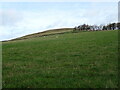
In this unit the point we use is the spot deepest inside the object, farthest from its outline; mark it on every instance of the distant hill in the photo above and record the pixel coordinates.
(44, 33)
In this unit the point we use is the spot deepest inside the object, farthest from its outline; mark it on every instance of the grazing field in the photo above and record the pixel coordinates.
(45, 33)
(70, 60)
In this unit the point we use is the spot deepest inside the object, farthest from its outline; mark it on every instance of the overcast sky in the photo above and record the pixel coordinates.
(22, 18)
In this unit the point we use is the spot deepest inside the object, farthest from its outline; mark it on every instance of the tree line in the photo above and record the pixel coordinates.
(85, 27)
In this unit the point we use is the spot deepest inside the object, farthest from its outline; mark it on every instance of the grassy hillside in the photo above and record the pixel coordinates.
(70, 60)
(45, 33)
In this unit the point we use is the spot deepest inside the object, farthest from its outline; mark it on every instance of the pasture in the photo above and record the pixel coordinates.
(69, 60)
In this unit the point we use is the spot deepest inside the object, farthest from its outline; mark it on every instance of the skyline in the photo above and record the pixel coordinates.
(22, 18)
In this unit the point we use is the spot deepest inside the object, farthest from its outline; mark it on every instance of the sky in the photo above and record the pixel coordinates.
(22, 18)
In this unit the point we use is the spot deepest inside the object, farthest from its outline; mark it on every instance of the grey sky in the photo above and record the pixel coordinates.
(22, 18)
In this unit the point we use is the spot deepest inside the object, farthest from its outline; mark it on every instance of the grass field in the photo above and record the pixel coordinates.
(45, 33)
(70, 60)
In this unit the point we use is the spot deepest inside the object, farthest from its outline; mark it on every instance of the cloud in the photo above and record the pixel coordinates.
(59, 0)
(10, 17)
(17, 23)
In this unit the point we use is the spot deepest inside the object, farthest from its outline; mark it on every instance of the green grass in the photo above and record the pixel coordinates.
(70, 60)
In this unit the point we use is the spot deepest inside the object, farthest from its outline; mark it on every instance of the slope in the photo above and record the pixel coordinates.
(70, 60)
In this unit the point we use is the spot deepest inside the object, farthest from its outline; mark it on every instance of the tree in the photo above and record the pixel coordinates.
(109, 27)
(118, 25)
(113, 25)
(104, 28)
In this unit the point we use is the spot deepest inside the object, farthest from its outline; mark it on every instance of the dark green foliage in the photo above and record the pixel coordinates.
(84, 27)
